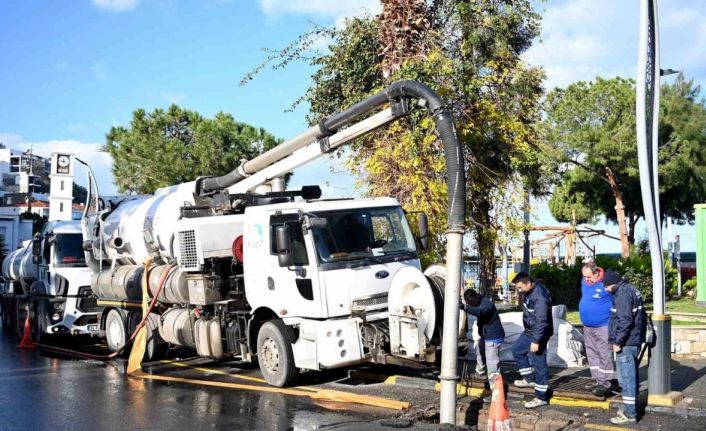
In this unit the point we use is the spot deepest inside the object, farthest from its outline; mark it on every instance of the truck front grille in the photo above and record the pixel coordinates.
(188, 257)
(371, 301)
(87, 305)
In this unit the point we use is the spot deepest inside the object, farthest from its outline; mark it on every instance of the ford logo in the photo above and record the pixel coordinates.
(381, 274)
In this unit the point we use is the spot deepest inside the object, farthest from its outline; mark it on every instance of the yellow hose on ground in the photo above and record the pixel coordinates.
(139, 345)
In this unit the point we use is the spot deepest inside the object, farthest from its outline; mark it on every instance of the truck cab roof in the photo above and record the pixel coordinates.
(330, 204)
(62, 226)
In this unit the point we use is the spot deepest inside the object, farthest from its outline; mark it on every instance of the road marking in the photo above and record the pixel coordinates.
(572, 402)
(212, 371)
(325, 395)
(605, 427)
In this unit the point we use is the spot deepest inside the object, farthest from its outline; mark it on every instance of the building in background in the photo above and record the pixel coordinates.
(23, 177)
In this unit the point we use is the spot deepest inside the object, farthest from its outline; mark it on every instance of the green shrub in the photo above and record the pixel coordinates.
(562, 281)
(689, 287)
(641, 281)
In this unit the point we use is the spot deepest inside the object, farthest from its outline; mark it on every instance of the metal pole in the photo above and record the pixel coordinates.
(670, 242)
(449, 340)
(677, 264)
(647, 113)
(526, 250)
(506, 282)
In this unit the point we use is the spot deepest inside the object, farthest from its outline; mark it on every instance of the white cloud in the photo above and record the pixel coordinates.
(335, 10)
(582, 39)
(173, 98)
(116, 5)
(89, 152)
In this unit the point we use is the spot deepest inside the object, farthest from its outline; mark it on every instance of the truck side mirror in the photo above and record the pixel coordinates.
(423, 224)
(37, 246)
(283, 242)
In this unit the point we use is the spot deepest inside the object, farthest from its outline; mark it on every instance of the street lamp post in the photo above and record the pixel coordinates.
(647, 116)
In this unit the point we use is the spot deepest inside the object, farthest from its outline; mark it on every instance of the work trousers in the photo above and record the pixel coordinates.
(532, 363)
(487, 358)
(628, 378)
(600, 354)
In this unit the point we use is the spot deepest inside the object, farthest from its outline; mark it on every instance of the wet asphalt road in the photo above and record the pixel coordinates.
(41, 392)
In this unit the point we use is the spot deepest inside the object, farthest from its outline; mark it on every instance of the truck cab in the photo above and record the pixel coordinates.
(326, 268)
(64, 298)
(344, 254)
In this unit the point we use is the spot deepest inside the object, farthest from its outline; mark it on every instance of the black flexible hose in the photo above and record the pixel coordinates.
(456, 180)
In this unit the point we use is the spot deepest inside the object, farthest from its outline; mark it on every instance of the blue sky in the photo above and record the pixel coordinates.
(71, 70)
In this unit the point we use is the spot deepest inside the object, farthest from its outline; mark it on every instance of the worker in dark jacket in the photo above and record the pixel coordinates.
(490, 333)
(628, 324)
(530, 349)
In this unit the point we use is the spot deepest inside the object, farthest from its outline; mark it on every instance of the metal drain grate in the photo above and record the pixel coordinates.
(561, 386)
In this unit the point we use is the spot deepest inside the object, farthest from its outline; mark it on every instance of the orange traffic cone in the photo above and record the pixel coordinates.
(26, 342)
(498, 414)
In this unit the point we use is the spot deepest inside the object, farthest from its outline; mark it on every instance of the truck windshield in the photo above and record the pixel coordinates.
(68, 250)
(364, 235)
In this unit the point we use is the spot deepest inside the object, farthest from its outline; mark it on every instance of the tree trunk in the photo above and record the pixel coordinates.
(486, 238)
(619, 212)
(632, 221)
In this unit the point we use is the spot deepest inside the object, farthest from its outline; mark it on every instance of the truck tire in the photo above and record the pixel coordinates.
(274, 353)
(5, 316)
(115, 330)
(39, 322)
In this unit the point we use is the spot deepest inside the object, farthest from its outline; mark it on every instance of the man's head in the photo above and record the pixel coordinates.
(589, 270)
(523, 282)
(471, 297)
(611, 280)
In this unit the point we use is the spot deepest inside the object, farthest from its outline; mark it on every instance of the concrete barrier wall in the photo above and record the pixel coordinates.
(689, 342)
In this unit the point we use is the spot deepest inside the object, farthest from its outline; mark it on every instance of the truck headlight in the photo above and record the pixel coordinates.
(56, 317)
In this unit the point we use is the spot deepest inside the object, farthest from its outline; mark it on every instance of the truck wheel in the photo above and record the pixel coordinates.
(39, 321)
(115, 330)
(156, 347)
(274, 353)
(5, 316)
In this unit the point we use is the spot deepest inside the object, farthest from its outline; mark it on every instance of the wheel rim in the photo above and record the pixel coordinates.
(116, 334)
(270, 355)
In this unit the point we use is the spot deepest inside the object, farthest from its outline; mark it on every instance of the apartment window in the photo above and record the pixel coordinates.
(61, 207)
(62, 184)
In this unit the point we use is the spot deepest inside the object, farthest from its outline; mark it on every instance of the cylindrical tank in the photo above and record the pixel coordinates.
(175, 290)
(125, 282)
(208, 338)
(156, 214)
(176, 327)
(18, 265)
(122, 283)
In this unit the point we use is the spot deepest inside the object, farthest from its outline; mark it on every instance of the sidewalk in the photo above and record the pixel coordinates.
(574, 411)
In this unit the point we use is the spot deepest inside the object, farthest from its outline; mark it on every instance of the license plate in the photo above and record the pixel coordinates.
(92, 327)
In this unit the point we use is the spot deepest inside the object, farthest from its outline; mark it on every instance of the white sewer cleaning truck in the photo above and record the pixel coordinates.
(252, 271)
(48, 276)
